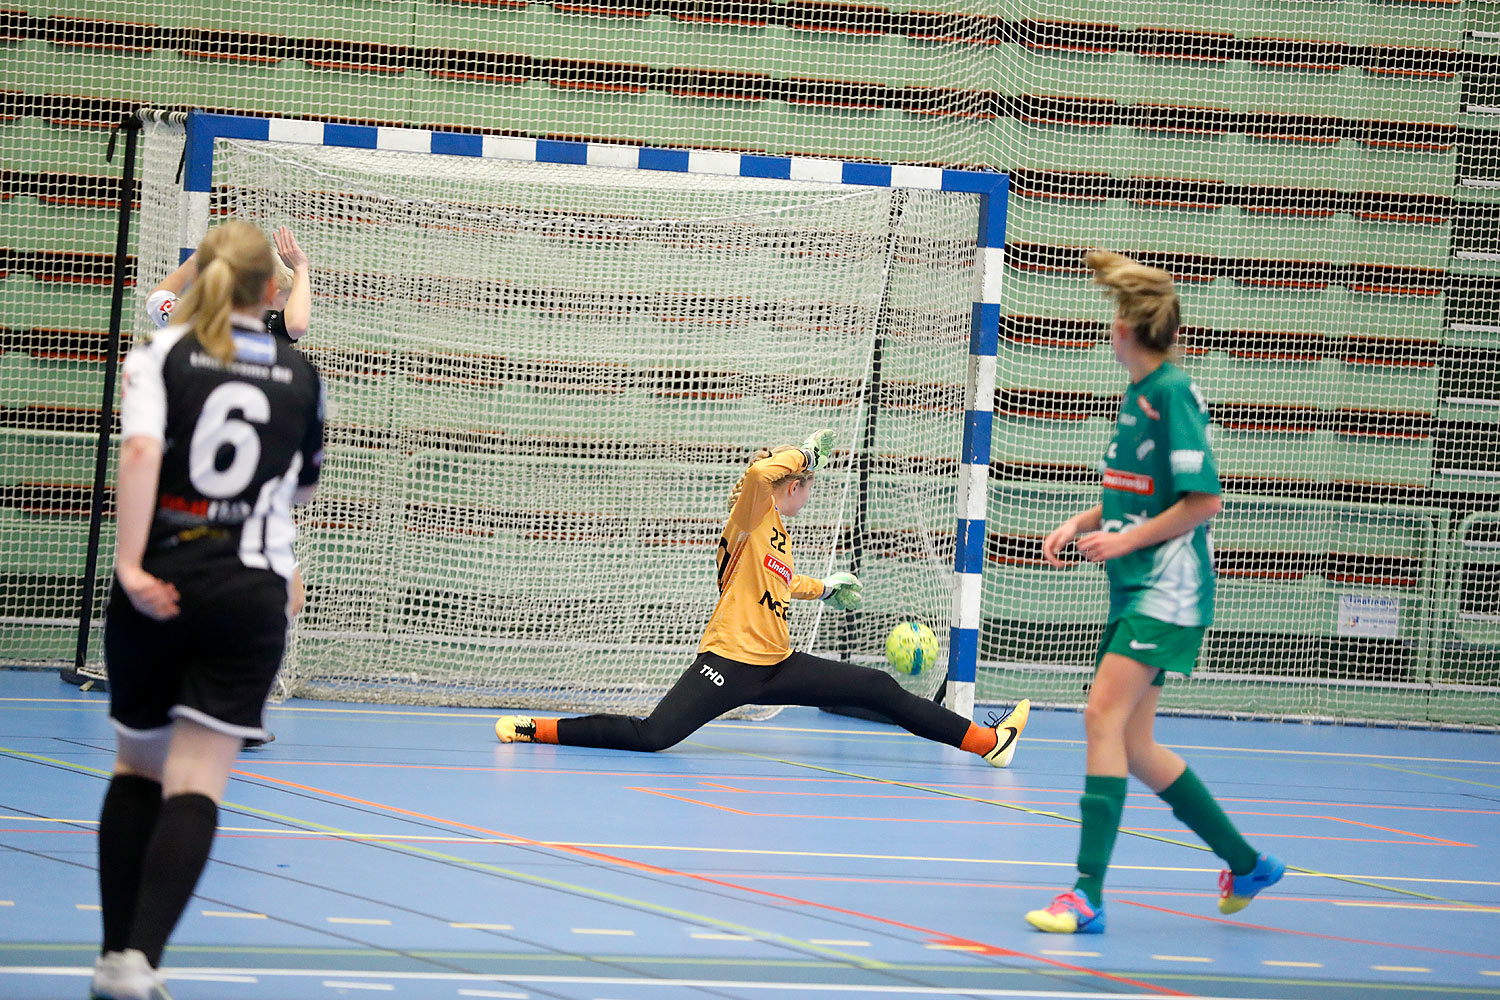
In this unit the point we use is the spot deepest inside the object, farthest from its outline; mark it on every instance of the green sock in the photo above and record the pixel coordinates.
(1102, 804)
(1193, 804)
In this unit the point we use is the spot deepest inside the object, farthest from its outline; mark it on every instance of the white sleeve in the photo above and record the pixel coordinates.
(143, 396)
(159, 306)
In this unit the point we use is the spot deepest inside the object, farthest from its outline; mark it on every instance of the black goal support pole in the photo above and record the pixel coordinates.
(131, 126)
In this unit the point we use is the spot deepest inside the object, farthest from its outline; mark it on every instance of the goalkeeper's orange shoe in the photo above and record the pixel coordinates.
(1008, 734)
(516, 729)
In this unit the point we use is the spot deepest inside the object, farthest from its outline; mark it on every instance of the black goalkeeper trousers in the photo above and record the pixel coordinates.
(714, 685)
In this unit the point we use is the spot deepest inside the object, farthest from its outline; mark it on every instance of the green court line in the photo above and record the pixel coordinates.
(857, 961)
(1439, 777)
(1350, 879)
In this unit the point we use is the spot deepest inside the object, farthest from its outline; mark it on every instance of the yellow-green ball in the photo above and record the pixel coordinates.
(911, 647)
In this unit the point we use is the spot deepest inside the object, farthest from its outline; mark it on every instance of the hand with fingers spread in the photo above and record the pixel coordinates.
(290, 252)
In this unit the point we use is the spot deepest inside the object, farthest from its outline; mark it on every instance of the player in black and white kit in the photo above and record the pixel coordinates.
(286, 319)
(222, 431)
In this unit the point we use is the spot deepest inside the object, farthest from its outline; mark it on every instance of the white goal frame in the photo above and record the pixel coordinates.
(204, 128)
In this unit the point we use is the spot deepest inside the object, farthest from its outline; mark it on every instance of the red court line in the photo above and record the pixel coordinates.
(1311, 934)
(934, 937)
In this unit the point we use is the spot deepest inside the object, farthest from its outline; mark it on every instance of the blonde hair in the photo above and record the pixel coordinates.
(1146, 297)
(760, 455)
(234, 263)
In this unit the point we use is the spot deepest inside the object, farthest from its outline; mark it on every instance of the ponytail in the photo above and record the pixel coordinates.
(1146, 297)
(234, 263)
(762, 454)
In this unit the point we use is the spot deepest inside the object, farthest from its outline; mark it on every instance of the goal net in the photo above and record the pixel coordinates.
(544, 379)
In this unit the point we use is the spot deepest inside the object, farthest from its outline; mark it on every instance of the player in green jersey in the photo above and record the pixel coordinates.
(1150, 531)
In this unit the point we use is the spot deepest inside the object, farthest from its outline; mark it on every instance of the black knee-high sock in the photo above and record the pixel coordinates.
(174, 860)
(126, 822)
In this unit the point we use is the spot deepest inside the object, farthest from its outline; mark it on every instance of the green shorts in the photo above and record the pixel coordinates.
(1152, 643)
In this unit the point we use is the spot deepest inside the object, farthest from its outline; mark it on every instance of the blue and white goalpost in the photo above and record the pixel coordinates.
(550, 360)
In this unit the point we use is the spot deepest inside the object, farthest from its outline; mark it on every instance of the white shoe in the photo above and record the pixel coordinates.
(1008, 734)
(126, 975)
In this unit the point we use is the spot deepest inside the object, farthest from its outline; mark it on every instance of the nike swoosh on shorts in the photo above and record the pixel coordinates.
(1142, 645)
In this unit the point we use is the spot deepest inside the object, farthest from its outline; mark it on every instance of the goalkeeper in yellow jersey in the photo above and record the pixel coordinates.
(745, 657)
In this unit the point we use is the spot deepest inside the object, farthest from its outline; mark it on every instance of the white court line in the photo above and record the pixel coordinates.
(233, 915)
(494, 993)
(762, 727)
(701, 984)
(1069, 954)
(87, 907)
(1181, 958)
(482, 927)
(1292, 965)
(606, 931)
(1400, 968)
(710, 936)
(337, 984)
(363, 921)
(839, 943)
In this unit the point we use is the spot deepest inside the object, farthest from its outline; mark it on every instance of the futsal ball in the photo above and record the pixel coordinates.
(911, 647)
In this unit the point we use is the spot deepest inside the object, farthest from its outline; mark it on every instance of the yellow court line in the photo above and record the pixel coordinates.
(1369, 884)
(842, 855)
(1459, 908)
(822, 953)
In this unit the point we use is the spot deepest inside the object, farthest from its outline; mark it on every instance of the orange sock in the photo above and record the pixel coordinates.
(546, 730)
(979, 739)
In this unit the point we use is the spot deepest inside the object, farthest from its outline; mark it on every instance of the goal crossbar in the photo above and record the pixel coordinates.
(205, 129)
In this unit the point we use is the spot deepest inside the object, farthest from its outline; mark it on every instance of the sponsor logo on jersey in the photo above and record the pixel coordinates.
(1127, 419)
(183, 504)
(780, 568)
(778, 608)
(1147, 408)
(1143, 449)
(1130, 482)
(256, 348)
(1186, 461)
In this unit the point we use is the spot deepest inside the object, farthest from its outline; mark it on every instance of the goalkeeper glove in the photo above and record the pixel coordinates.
(817, 449)
(842, 590)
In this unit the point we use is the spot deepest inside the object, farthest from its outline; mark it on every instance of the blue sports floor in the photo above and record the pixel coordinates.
(388, 850)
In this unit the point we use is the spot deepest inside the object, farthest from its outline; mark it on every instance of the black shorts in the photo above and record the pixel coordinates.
(213, 664)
